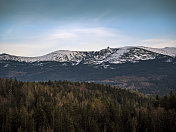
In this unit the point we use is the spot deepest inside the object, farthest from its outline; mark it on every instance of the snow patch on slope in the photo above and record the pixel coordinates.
(115, 57)
(171, 50)
(160, 51)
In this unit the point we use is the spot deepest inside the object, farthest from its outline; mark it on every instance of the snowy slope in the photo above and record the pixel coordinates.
(171, 50)
(61, 56)
(111, 55)
(116, 57)
(164, 51)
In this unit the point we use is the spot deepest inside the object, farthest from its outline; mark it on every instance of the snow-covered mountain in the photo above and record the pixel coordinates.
(111, 55)
(171, 50)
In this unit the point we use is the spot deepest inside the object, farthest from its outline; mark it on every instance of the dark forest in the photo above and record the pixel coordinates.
(74, 106)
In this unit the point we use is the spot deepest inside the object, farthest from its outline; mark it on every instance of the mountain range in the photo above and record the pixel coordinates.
(149, 70)
(111, 55)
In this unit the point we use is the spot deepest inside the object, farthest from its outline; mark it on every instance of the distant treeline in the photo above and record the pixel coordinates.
(62, 106)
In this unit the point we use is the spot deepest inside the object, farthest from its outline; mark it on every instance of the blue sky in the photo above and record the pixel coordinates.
(37, 27)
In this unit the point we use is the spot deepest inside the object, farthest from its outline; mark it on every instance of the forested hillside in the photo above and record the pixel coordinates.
(148, 77)
(73, 106)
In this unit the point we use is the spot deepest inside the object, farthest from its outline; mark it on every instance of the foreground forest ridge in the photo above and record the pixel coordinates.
(76, 107)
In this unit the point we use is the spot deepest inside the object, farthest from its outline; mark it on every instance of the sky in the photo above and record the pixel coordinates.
(38, 27)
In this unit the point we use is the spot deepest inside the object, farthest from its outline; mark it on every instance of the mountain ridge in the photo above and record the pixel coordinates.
(111, 55)
(150, 71)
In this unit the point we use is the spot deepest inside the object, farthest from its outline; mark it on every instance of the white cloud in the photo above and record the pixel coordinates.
(78, 32)
(70, 38)
(62, 36)
(80, 38)
(101, 16)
